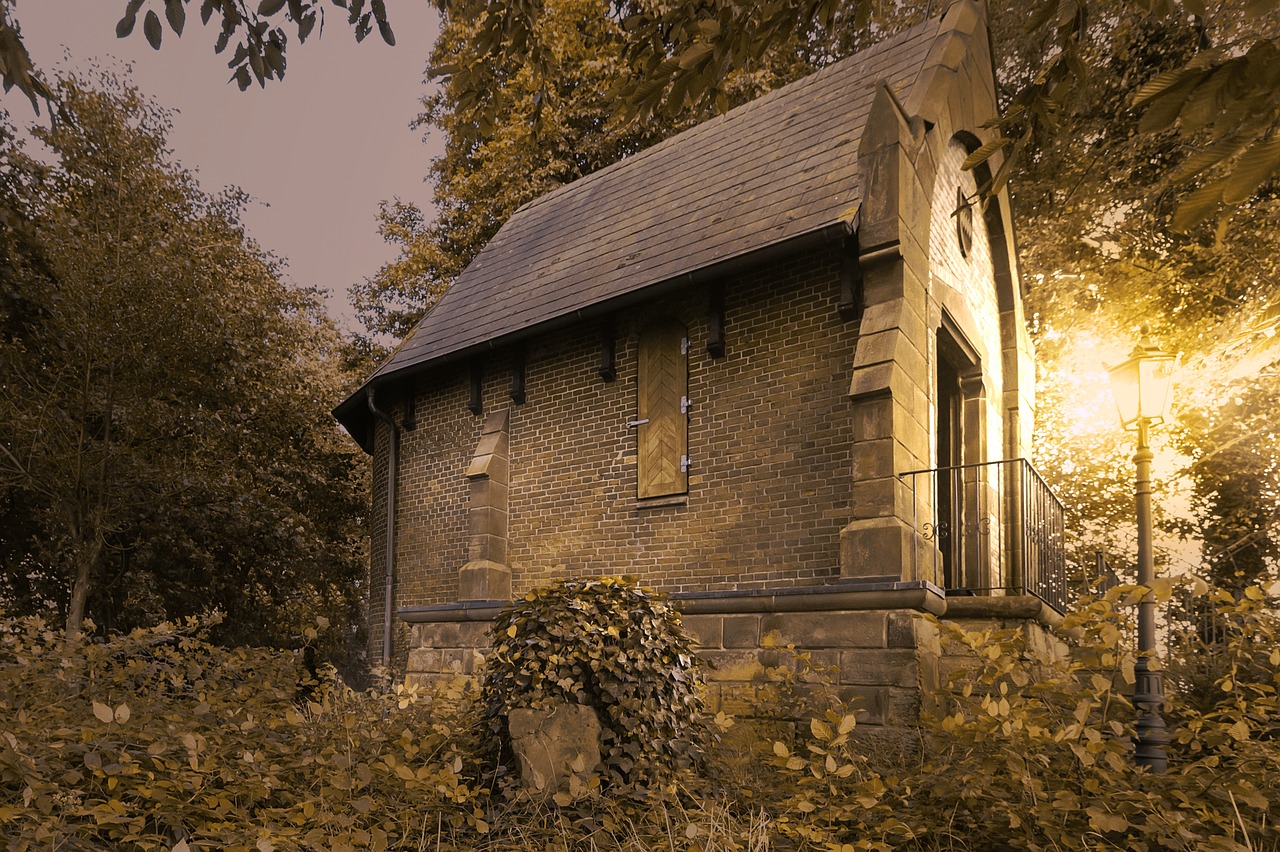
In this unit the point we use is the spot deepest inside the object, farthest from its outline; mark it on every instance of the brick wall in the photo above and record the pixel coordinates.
(769, 441)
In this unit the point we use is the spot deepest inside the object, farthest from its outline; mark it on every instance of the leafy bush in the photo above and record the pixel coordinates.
(1034, 755)
(612, 646)
(157, 740)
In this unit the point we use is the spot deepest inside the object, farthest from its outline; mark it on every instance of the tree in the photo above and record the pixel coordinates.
(1104, 254)
(262, 40)
(523, 135)
(1224, 95)
(164, 411)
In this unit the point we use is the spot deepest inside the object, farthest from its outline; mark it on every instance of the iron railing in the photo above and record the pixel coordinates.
(989, 528)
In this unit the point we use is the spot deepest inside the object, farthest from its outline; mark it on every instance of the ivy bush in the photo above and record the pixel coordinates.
(612, 646)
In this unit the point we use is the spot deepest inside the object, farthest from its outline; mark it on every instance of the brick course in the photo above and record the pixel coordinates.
(769, 440)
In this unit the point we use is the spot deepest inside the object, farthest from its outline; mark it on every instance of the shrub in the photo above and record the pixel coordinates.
(160, 740)
(610, 645)
(1033, 755)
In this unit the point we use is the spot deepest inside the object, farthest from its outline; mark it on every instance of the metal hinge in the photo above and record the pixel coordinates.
(634, 423)
(684, 464)
(684, 405)
(684, 346)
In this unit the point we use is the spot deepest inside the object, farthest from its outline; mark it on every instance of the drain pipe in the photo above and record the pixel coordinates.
(390, 557)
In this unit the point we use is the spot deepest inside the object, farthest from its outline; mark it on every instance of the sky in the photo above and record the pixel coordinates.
(317, 151)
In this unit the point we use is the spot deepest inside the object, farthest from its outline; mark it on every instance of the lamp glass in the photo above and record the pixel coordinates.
(1141, 386)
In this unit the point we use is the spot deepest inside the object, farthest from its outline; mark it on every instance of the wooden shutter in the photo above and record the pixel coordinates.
(663, 383)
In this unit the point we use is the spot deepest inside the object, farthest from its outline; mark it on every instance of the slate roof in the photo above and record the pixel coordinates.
(777, 168)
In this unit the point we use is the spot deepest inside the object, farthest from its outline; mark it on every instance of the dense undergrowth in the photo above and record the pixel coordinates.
(161, 740)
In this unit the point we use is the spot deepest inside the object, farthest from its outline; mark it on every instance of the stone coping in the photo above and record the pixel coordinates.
(848, 595)
(869, 594)
(460, 611)
(920, 595)
(1024, 607)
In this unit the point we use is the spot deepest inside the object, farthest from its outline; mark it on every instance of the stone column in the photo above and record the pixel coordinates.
(486, 576)
(891, 369)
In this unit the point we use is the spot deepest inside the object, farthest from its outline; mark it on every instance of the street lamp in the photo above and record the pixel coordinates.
(1141, 389)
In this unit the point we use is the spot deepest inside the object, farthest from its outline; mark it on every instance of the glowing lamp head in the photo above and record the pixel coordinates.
(1141, 385)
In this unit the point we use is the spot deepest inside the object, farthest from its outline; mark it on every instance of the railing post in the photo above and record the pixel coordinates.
(1017, 527)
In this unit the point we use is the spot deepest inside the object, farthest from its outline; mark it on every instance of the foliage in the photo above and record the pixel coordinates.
(260, 30)
(164, 425)
(160, 740)
(1223, 95)
(609, 645)
(157, 739)
(1094, 212)
(1034, 753)
(524, 135)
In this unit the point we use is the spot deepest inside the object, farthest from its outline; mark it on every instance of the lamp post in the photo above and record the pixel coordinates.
(1141, 389)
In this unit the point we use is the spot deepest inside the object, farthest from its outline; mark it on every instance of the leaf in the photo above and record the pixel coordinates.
(176, 13)
(122, 714)
(1256, 166)
(388, 36)
(103, 712)
(1197, 206)
(694, 55)
(1103, 821)
(305, 25)
(267, 8)
(125, 26)
(152, 30)
(820, 730)
(984, 152)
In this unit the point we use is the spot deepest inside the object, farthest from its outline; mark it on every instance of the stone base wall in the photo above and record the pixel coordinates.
(785, 653)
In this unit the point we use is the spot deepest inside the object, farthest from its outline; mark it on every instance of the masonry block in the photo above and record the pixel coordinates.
(824, 629)
(874, 547)
(705, 629)
(893, 346)
(487, 548)
(741, 631)
(912, 630)
(901, 706)
(738, 698)
(451, 634)
(896, 667)
(733, 666)
(487, 521)
(870, 704)
(483, 580)
(442, 661)
(883, 282)
(885, 497)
